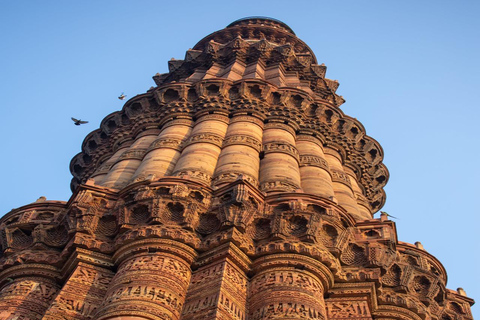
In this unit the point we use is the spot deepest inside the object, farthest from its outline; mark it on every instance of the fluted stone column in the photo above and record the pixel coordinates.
(288, 286)
(279, 169)
(164, 152)
(240, 153)
(362, 203)
(122, 171)
(314, 170)
(29, 291)
(100, 174)
(342, 185)
(199, 158)
(151, 282)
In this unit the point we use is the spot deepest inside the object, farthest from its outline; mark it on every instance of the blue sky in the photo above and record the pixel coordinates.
(409, 70)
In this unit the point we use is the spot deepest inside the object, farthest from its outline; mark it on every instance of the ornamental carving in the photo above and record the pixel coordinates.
(348, 310)
(243, 140)
(294, 279)
(284, 186)
(261, 229)
(133, 154)
(195, 175)
(206, 138)
(281, 147)
(354, 255)
(290, 310)
(232, 176)
(238, 207)
(175, 144)
(313, 161)
(26, 298)
(240, 118)
(341, 177)
(208, 223)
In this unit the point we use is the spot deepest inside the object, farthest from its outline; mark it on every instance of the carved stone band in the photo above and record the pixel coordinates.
(279, 186)
(250, 119)
(304, 137)
(218, 117)
(180, 122)
(206, 138)
(341, 177)
(133, 154)
(313, 161)
(281, 147)
(243, 140)
(347, 309)
(294, 309)
(175, 144)
(104, 168)
(194, 175)
(276, 125)
(232, 176)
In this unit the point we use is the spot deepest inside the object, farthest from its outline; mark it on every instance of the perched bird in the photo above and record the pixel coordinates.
(122, 96)
(78, 121)
(388, 215)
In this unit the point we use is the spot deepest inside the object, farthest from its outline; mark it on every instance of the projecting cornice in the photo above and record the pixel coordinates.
(297, 109)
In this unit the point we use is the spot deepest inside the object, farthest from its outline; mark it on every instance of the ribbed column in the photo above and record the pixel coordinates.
(288, 286)
(279, 170)
(151, 282)
(164, 152)
(126, 165)
(240, 153)
(342, 185)
(199, 158)
(99, 175)
(29, 291)
(314, 170)
(362, 203)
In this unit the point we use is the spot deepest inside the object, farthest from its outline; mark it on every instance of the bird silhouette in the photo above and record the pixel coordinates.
(388, 215)
(122, 96)
(78, 122)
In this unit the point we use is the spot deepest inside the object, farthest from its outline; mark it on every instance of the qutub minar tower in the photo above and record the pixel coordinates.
(235, 189)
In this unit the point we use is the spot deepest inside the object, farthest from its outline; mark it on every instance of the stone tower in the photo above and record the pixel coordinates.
(235, 189)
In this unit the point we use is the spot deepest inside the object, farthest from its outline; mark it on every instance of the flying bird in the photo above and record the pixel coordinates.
(122, 96)
(78, 122)
(388, 215)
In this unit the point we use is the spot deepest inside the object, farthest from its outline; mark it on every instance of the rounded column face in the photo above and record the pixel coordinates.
(279, 170)
(284, 292)
(100, 174)
(122, 171)
(342, 185)
(199, 158)
(240, 153)
(27, 298)
(362, 202)
(149, 283)
(314, 170)
(164, 152)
